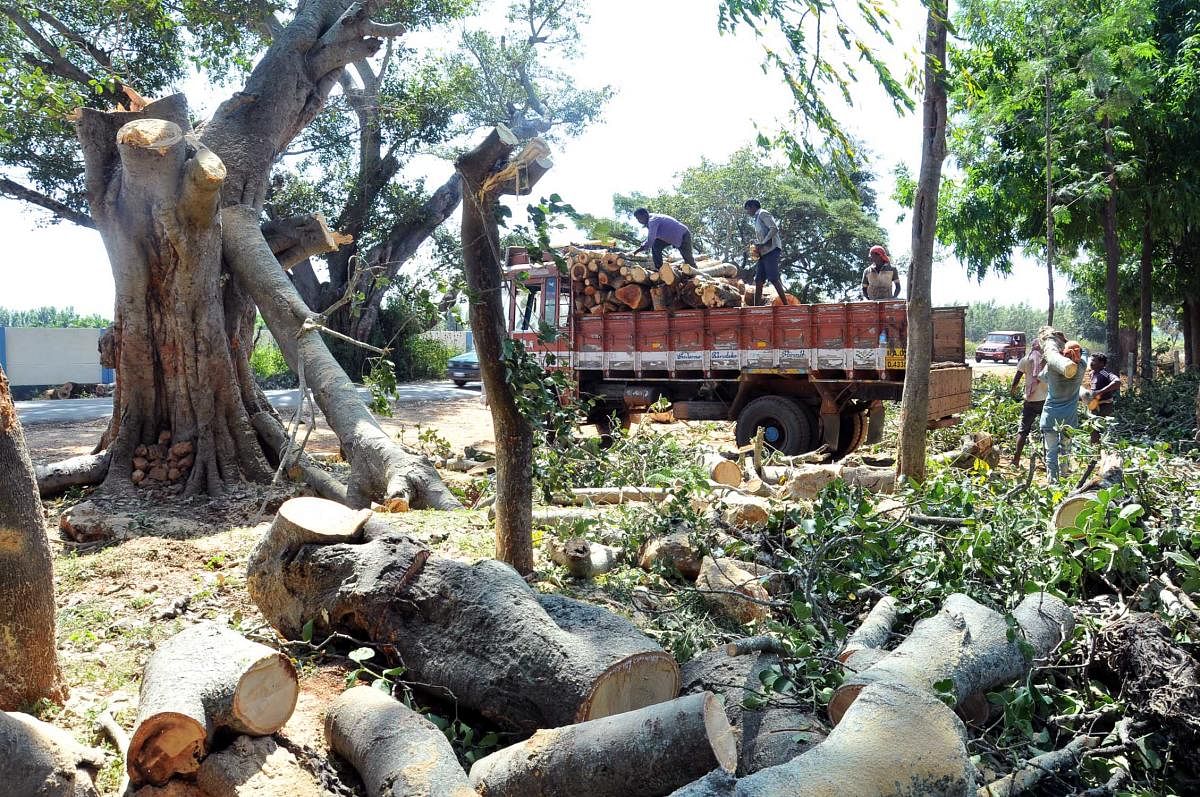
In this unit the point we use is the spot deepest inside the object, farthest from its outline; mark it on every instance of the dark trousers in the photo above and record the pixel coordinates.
(767, 270)
(685, 250)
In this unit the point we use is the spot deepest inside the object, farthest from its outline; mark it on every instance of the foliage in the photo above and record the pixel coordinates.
(50, 317)
(1077, 317)
(826, 228)
(1163, 410)
(269, 366)
(421, 358)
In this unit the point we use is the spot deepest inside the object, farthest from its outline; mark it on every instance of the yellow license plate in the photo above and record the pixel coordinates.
(893, 361)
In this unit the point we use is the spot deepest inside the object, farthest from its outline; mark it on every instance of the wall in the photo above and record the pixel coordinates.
(49, 356)
(458, 340)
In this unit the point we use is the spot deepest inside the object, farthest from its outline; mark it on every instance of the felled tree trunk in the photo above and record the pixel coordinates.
(40, 760)
(864, 647)
(396, 751)
(78, 471)
(581, 558)
(640, 753)
(28, 661)
(968, 645)
(162, 200)
(203, 679)
(474, 632)
(486, 176)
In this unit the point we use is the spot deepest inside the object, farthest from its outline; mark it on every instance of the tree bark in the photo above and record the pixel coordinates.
(203, 679)
(39, 760)
(1146, 322)
(914, 403)
(1112, 256)
(474, 632)
(396, 751)
(482, 266)
(79, 471)
(28, 660)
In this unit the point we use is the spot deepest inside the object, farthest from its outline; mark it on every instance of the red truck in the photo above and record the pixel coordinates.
(808, 375)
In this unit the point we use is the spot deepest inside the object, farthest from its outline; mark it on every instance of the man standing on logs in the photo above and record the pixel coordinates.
(663, 231)
(881, 280)
(767, 246)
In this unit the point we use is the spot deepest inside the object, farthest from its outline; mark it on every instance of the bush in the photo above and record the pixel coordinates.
(421, 358)
(271, 370)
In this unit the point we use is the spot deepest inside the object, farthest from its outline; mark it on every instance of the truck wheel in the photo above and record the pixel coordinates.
(851, 433)
(787, 426)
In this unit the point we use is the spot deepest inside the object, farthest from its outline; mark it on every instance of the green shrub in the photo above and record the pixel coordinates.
(421, 358)
(270, 368)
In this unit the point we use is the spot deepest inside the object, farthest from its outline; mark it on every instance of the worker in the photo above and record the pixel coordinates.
(1029, 367)
(1061, 409)
(663, 231)
(1105, 385)
(881, 280)
(767, 247)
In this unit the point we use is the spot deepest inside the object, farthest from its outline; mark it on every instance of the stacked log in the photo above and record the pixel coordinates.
(163, 465)
(609, 280)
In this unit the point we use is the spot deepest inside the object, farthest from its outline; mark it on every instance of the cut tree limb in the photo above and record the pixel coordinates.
(475, 632)
(582, 496)
(675, 550)
(642, 753)
(581, 558)
(719, 469)
(78, 471)
(1039, 767)
(396, 751)
(203, 679)
(736, 592)
(875, 629)
(39, 760)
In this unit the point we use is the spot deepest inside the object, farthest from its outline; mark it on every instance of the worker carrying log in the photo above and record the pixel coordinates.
(663, 231)
(767, 247)
(1063, 375)
(881, 280)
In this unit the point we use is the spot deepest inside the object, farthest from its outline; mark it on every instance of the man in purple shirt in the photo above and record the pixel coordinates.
(663, 231)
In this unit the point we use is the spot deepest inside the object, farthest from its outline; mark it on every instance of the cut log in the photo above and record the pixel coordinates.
(895, 740)
(641, 753)
(667, 274)
(1052, 343)
(674, 551)
(39, 760)
(1066, 514)
(633, 296)
(203, 679)
(968, 645)
(756, 644)
(80, 471)
(720, 470)
(771, 735)
(396, 751)
(976, 446)
(719, 270)
(739, 510)
(476, 631)
(582, 496)
(639, 275)
(581, 558)
(658, 298)
(805, 482)
(735, 592)
(875, 628)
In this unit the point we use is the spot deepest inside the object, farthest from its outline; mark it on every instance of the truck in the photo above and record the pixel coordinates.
(807, 375)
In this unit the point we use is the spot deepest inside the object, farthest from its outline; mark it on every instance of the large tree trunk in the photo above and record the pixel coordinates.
(164, 204)
(28, 662)
(1112, 257)
(1049, 205)
(1146, 323)
(482, 265)
(914, 404)
(39, 760)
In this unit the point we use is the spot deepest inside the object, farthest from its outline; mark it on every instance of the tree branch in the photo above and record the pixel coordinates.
(59, 65)
(64, 212)
(99, 56)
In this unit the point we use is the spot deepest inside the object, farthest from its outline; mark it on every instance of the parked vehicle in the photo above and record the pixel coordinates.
(807, 375)
(1001, 347)
(463, 368)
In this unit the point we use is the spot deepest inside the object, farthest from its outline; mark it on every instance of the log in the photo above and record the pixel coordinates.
(473, 630)
(895, 740)
(1038, 767)
(805, 482)
(667, 274)
(658, 298)
(633, 296)
(581, 558)
(1066, 514)
(1052, 342)
(39, 760)
(396, 751)
(756, 644)
(735, 592)
(675, 551)
(739, 510)
(249, 767)
(639, 275)
(875, 629)
(203, 679)
(968, 645)
(976, 446)
(81, 471)
(582, 496)
(641, 753)
(720, 470)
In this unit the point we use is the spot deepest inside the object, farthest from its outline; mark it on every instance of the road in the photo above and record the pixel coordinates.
(68, 410)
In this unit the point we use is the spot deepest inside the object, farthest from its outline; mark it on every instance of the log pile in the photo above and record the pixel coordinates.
(609, 280)
(163, 464)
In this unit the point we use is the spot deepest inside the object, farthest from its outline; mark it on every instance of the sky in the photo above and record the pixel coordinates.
(683, 92)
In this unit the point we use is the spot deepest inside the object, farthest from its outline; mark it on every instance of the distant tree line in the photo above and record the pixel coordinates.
(1077, 317)
(50, 317)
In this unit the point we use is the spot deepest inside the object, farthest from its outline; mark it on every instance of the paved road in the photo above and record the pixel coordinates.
(33, 412)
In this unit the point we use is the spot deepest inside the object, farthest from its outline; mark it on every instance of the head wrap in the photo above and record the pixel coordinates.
(879, 250)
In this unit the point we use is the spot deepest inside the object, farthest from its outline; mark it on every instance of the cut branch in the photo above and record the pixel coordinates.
(63, 211)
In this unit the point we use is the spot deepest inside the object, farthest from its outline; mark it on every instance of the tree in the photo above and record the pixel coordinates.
(488, 172)
(28, 661)
(180, 212)
(914, 403)
(827, 229)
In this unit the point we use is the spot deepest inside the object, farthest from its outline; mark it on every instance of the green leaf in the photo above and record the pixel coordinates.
(306, 633)
(361, 654)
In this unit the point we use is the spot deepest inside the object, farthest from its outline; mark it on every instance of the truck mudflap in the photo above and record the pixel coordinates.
(949, 390)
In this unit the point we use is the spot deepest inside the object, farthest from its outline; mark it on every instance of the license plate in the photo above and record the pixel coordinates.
(460, 373)
(893, 361)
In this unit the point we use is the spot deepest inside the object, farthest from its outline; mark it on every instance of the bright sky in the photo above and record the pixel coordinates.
(683, 92)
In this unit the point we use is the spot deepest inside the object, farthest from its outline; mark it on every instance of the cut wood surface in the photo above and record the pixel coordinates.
(581, 558)
(734, 591)
(740, 510)
(642, 753)
(40, 760)
(397, 752)
(205, 678)
(676, 551)
(967, 644)
(476, 631)
(719, 469)
(606, 280)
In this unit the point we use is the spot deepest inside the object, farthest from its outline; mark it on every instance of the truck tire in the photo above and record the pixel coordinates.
(788, 427)
(851, 434)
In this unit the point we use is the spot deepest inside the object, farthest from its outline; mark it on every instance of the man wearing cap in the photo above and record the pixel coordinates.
(881, 281)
